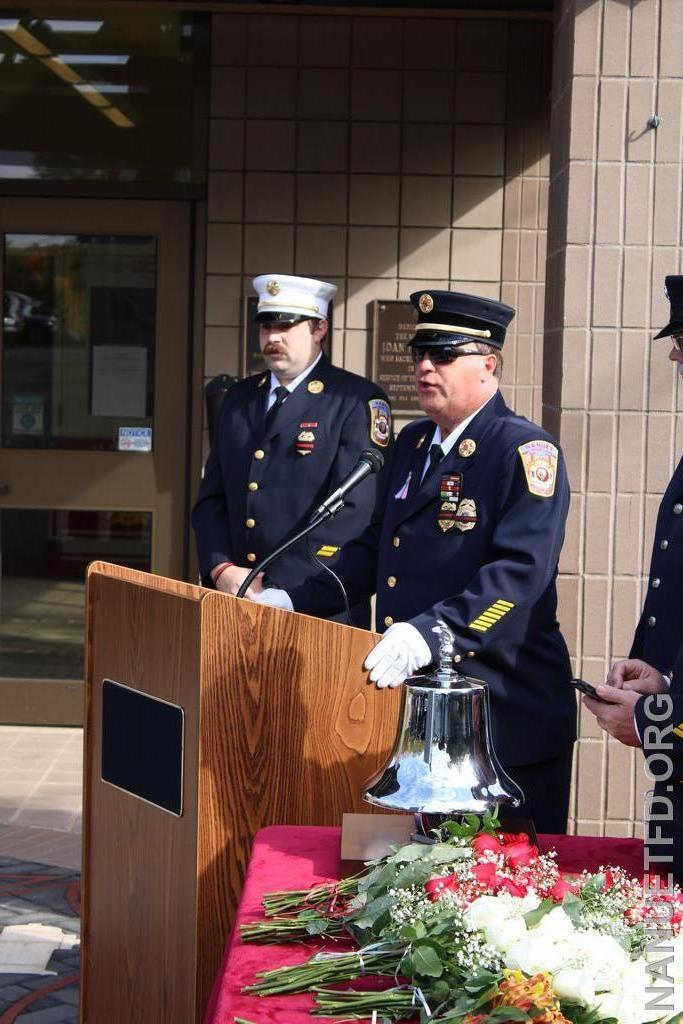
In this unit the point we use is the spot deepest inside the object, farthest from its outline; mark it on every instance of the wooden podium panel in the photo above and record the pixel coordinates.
(281, 727)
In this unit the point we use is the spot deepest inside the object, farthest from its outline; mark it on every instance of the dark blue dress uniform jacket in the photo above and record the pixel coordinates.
(659, 632)
(659, 641)
(262, 478)
(499, 575)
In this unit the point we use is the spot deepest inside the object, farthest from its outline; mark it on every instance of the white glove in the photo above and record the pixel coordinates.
(275, 598)
(400, 652)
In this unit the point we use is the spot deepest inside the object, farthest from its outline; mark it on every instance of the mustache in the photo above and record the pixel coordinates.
(272, 349)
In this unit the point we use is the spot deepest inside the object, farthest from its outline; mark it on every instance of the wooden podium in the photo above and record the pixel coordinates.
(280, 726)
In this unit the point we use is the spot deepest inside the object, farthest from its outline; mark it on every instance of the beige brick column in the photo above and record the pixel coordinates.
(609, 392)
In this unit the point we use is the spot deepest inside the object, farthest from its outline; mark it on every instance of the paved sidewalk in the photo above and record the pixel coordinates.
(40, 859)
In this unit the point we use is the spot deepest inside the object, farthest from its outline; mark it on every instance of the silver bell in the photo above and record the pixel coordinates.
(443, 763)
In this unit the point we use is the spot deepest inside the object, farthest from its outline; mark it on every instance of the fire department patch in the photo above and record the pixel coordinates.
(380, 422)
(539, 459)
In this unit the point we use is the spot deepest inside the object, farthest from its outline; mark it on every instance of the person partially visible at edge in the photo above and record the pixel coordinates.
(470, 532)
(647, 704)
(284, 440)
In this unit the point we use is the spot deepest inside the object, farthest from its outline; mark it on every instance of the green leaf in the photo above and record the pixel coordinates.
(573, 908)
(502, 1013)
(534, 916)
(594, 885)
(416, 873)
(411, 932)
(317, 926)
(372, 910)
(444, 853)
(426, 961)
(405, 854)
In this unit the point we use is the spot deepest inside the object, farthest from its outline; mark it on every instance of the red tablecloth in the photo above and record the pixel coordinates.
(287, 857)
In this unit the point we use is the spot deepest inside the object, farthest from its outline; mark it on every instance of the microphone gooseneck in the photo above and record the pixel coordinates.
(369, 461)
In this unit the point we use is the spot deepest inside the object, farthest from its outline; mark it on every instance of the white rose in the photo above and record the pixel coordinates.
(632, 996)
(488, 911)
(505, 933)
(604, 959)
(535, 953)
(555, 925)
(576, 985)
(484, 911)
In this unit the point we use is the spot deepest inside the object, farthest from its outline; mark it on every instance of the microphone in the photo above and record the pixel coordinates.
(369, 461)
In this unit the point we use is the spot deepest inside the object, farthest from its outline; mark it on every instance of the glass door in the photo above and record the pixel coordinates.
(93, 379)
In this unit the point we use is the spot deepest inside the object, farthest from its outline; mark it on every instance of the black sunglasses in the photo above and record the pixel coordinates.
(440, 355)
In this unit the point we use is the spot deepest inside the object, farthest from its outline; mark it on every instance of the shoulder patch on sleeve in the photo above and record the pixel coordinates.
(380, 422)
(539, 459)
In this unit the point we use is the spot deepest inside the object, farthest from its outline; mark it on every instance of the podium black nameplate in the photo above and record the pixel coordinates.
(142, 746)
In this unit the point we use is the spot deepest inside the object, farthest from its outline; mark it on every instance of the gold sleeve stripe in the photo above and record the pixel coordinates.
(491, 615)
(327, 550)
(678, 731)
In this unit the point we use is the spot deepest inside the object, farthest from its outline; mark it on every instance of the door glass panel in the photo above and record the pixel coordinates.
(42, 594)
(78, 342)
(98, 95)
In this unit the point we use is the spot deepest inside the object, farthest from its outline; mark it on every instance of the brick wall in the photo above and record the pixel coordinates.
(386, 155)
(614, 233)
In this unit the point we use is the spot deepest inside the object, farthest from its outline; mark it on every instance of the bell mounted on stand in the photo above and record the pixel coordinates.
(443, 764)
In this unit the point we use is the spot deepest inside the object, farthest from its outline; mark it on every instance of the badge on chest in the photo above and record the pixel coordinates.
(305, 442)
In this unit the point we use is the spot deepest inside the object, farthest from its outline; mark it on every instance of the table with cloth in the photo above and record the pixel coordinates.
(297, 857)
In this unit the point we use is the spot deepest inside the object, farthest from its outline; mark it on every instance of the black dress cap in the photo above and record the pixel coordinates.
(453, 318)
(673, 286)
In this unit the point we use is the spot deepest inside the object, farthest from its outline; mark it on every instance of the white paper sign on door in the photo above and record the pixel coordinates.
(119, 380)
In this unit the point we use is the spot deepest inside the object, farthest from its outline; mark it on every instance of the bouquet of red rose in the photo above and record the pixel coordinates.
(481, 927)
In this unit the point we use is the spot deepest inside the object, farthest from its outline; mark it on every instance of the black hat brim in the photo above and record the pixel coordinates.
(270, 317)
(673, 327)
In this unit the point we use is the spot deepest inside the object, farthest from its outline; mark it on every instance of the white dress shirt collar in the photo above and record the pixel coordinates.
(275, 383)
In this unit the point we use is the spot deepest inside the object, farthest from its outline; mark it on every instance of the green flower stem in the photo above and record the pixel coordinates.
(394, 1004)
(289, 929)
(275, 903)
(325, 970)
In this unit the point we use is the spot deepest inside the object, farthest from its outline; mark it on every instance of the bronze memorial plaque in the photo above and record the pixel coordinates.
(393, 324)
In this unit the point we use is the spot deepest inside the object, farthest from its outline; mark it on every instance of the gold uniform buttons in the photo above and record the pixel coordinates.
(391, 581)
(259, 453)
(396, 542)
(253, 486)
(388, 621)
(470, 654)
(249, 523)
(251, 557)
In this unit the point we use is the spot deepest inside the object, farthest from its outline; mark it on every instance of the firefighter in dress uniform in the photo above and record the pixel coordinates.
(284, 439)
(470, 532)
(647, 707)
